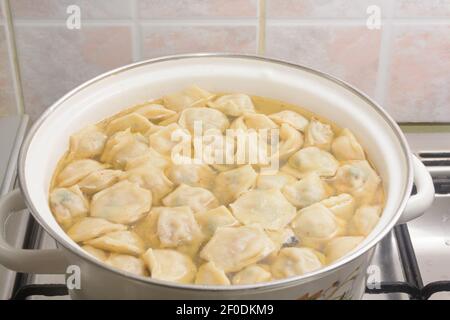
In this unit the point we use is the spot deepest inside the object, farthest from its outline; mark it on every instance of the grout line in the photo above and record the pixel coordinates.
(136, 33)
(261, 27)
(385, 55)
(57, 23)
(13, 58)
(218, 22)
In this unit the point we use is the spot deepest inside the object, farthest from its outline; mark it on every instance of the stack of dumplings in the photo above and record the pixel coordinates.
(118, 193)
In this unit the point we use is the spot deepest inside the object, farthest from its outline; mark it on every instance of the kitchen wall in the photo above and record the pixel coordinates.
(402, 60)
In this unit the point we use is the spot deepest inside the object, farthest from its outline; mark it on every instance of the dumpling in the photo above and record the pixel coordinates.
(291, 118)
(305, 192)
(238, 124)
(147, 228)
(339, 247)
(124, 202)
(218, 150)
(258, 121)
(122, 147)
(346, 147)
(68, 205)
(90, 228)
(296, 262)
(207, 118)
(172, 119)
(194, 175)
(177, 226)
(208, 273)
(127, 263)
(77, 170)
(268, 208)
(99, 180)
(151, 157)
(252, 274)
(96, 253)
(198, 199)
(283, 238)
(229, 185)
(234, 105)
(170, 265)
(316, 225)
(215, 218)
(133, 121)
(125, 242)
(364, 220)
(165, 139)
(192, 96)
(87, 143)
(311, 159)
(155, 112)
(357, 178)
(319, 134)
(291, 141)
(274, 181)
(232, 249)
(151, 178)
(343, 205)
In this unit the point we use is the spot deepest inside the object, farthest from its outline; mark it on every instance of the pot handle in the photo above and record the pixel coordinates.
(49, 261)
(422, 200)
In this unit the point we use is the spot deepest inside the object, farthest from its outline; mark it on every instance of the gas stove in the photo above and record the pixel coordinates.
(413, 261)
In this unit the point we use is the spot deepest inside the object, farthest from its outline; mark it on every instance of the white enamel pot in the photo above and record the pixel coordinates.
(107, 94)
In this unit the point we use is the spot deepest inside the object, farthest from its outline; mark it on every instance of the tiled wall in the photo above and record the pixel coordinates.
(405, 65)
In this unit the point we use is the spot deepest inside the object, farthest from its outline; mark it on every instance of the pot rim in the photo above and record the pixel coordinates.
(272, 285)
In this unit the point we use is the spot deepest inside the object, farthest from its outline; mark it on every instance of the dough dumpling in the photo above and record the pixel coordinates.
(192, 96)
(316, 225)
(258, 121)
(122, 147)
(147, 228)
(292, 262)
(234, 105)
(125, 242)
(90, 228)
(291, 141)
(232, 249)
(207, 117)
(77, 170)
(268, 208)
(208, 273)
(127, 263)
(311, 159)
(99, 180)
(133, 121)
(198, 199)
(151, 157)
(274, 181)
(343, 205)
(358, 179)
(87, 143)
(215, 218)
(155, 112)
(124, 202)
(364, 220)
(177, 226)
(194, 175)
(283, 238)
(252, 274)
(305, 192)
(291, 118)
(151, 178)
(339, 247)
(96, 253)
(346, 147)
(229, 185)
(319, 134)
(170, 265)
(165, 139)
(68, 205)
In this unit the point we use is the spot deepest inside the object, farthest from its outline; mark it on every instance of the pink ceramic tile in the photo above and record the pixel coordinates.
(54, 60)
(189, 9)
(56, 9)
(7, 98)
(422, 8)
(348, 52)
(319, 8)
(164, 40)
(420, 74)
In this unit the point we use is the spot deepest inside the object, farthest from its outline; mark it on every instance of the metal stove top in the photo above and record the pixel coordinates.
(413, 260)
